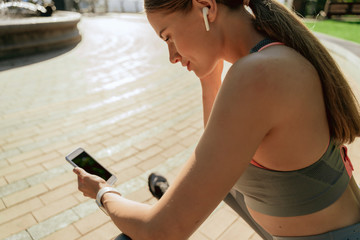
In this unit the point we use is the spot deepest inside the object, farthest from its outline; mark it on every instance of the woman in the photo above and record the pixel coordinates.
(275, 128)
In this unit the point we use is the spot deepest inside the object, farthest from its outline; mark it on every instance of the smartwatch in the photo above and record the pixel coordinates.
(101, 193)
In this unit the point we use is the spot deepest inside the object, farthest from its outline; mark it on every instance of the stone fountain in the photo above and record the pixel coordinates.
(27, 28)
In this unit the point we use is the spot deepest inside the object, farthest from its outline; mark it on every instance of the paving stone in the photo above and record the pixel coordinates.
(43, 158)
(91, 222)
(169, 141)
(13, 187)
(2, 205)
(126, 163)
(255, 236)
(16, 225)
(85, 208)
(151, 162)
(173, 150)
(60, 180)
(11, 169)
(98, 139)
(3, 163)
(19, 210)
(124, 175)
(25, 156)
(105, 232)
(198, 236)
(54, 208)
(239, 229)
(218, 223)
(53, 224)
(14, 145)
(48, 175)
(68, 233)
(9, 153)
(124, 154)
(57, 162)
(146, 143)
(60, 192)
(24, 195)
(23, 235)
(141, 195)
(3, 182)
(24, 173)
(150, 152)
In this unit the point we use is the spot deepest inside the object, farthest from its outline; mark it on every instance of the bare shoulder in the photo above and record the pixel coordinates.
(278, 75)
(276, 66)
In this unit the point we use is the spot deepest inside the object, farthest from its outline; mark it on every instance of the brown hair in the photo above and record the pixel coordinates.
(276, 21)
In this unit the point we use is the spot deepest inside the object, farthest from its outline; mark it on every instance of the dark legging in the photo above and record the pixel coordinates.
(122, 237)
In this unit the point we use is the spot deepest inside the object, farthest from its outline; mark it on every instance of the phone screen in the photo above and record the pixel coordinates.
(86, 162)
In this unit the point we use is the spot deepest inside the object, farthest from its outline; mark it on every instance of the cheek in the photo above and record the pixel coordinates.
(187, 38)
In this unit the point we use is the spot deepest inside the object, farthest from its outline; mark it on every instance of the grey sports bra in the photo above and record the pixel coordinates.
(299, 192)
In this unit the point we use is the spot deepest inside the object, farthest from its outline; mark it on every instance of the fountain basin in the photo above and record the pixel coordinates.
(28, 35)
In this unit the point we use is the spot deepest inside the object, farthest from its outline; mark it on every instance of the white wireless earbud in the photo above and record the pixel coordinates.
(205, 11)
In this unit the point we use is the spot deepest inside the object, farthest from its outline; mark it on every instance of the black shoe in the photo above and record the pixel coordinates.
(157, 185)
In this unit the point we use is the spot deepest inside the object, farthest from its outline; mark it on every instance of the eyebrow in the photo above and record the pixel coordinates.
(161, 31)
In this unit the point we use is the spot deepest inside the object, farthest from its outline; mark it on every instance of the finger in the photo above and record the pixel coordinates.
(76, 170)
(80, 179)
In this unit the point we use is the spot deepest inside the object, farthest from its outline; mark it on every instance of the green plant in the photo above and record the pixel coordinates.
(348, 30)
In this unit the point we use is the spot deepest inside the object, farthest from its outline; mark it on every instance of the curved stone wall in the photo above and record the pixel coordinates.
(23, 36)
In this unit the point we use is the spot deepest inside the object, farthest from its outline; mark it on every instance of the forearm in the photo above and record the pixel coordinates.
(131, 217)
(210, 86)
(209, 92)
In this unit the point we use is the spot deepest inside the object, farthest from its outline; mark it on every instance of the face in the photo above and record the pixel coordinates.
(188, 41)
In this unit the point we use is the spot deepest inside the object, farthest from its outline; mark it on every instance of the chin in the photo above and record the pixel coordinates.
(201, 74)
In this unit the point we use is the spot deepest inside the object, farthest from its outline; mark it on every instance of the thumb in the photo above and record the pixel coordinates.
(79, 171)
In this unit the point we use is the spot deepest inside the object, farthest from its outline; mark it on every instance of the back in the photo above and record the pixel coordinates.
(301, 134)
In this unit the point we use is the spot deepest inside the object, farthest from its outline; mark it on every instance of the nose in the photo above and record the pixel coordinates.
(174, 56)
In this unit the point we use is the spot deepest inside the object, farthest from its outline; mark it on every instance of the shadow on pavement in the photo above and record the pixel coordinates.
(10, 63)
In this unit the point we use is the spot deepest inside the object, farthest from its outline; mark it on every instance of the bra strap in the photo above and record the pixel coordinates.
(267, 42)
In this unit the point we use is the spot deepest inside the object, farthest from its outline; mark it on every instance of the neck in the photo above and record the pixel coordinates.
(239, 33)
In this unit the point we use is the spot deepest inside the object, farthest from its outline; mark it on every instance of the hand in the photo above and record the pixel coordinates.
(89, 184)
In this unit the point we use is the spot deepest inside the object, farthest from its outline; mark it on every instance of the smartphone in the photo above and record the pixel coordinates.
(80, 158)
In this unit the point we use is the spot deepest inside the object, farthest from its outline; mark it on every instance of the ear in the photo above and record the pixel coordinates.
(211, 4)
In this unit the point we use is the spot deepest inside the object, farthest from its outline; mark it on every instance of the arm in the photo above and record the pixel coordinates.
(210, 86)
(242, 116)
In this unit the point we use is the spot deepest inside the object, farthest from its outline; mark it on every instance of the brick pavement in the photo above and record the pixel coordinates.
(132, 110)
